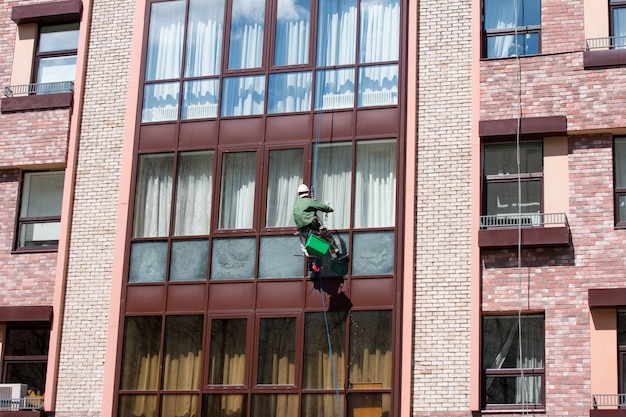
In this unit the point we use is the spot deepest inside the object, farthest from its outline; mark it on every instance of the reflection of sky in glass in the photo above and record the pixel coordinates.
(501, 13)
(293, 29)
(246, 34)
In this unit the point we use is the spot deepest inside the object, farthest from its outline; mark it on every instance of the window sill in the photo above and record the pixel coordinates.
(36, 102)
(604, 58)
(517, 410)
(35, 249)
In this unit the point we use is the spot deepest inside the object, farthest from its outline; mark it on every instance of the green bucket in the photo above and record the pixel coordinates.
(316, 245)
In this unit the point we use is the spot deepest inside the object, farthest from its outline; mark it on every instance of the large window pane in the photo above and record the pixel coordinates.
(227, 356)
(180, 405)
(40, 209)
(233, 258)
(165, 40)
(189, 260)
(379, 38)
(375, 184)
(373, 253)
(147, 262)
(620, 162)
(336, 32)
(505, 46)
(314, 405)
(501, 14)
(58, 37)
(237, 190)
(506, 346)
(153, 196)
(160, 102)
(370, 349)
(277, 351)
(619, 27)
(369, 404)
(233, 405)
(138, 405)
(243, 96)
(140, 354)
(333, 181)
(246, 34)
(293, 30)
(194, 193)
(200, 99)
(56, 69)
(320, 370)
(501, 158)
(334, 89)
(280, 257)
(182, 362)
(285, 174)
(503, 197)
(205, 29)
(275, 405)
(378, 86)
(289, 92)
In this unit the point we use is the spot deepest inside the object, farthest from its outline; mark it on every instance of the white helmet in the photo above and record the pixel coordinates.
(303, 189)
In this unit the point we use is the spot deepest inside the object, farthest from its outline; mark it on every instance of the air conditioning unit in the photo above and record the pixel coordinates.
(11, 396)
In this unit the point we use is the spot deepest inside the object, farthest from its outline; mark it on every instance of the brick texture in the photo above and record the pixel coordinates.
(442, 277)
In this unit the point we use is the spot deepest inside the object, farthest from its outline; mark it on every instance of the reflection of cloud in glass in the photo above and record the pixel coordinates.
(293, 10)
(249, 10)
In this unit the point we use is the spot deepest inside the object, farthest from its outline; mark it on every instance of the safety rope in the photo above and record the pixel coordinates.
(330, 352)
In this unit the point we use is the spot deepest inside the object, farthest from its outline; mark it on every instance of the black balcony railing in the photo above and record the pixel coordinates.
(39, 88)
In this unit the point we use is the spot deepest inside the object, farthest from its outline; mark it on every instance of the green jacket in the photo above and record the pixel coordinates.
(305, 209)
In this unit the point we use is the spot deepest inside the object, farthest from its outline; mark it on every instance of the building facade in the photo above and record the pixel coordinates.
(473, 152)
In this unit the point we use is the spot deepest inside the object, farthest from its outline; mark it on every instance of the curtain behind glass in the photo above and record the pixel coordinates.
(375, 184)
(620, 162)
(246, 34)
(237, 190)
(380, 30)
(153, 196)
(370, 349)
(318, 372)
(500, 14)
(194, 192)
(165, 40)
(204, 38)
(293, 28)
(285, 174)
(336, 32)
(332, 183)
(277, 351)
(140, 354)
(227, 356)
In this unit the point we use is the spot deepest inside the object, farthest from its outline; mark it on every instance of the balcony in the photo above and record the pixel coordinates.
(605, 52)
(529, 229)
(608, 405)
(39, 96)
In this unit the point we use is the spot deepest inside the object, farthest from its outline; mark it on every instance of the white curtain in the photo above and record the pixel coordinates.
(500, 14)
(380, 31)
(237, 190)
(293, 28)
(619, 26)
(378, 85)
(334, 89)
(204, 38)
(165, 48)
(285, 174)
(246, 34)
(289, 92)
(332, 182)
(243, 96)
(153, 196)
(194, 191)
(375, 184)
(336, 32)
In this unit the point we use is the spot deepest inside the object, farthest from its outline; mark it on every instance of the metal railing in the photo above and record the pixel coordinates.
(609, 42)
(525, 220)
(17, 404)
(39, 88)
(608, 400)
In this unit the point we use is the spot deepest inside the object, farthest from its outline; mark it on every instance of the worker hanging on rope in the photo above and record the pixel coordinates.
(307, 222)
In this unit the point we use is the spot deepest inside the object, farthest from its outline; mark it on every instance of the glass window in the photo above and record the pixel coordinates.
(200, 99)
(26, 357)
(318, 365)
(503, 19)
(233, 258)
(182, 362)
(237, 190)
(336, 33)
(620, 180)
(56, 54)
(231, 405)
(284, 176)
(376, 42)
(334, 89)
(333, 181)
(370, 361)
(293, 31)
(153, 195)
(243, 96)
(194, 193)
(189, 260)
(277, 351)
(165, 40)
(378, 85)
(205, 28)
(140, 355)
(40, 210)
(287, 265)
(502, 181)
(227, 354)
(618, 22)
(148, 261)
(513, 361)
(289, 92)
(246, 34)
